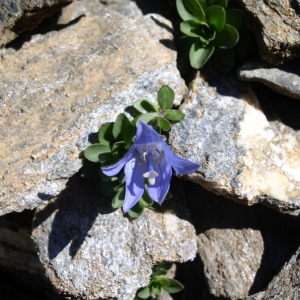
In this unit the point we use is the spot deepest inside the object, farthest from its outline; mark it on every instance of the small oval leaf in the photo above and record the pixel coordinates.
(105, 135)
(199, 55)
(93, 152)
(235, 17)
(190, 10)
(227, 38)
(216, 16)
(163, 123)
(165, 97)
(174, 115)
(144, 106)
(174, 286)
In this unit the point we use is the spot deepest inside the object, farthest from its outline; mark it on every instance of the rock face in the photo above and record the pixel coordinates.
(19, 16)
(90, 251)
(284, 79)
(59, 87)
(242, 155)
(276, 25)
(285, 285)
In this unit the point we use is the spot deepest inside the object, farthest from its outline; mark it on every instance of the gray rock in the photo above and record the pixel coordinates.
(19, 16)
(241, 249)
(241, 154)
(60, 87)
(92, 252)
(284, 79)
(285, 285)
(276, 25)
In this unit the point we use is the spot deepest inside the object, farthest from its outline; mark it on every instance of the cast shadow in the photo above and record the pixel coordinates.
(73, 213)
(280, 233)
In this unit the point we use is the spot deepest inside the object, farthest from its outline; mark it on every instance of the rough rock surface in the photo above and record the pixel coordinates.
(60, 87)
(285, 285)
(284, 79)
(276, 25)
(241, 249)
(241, 154)
(19, 16)
(90, 251)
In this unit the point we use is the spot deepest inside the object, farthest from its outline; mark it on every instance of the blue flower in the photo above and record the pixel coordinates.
(151, 158)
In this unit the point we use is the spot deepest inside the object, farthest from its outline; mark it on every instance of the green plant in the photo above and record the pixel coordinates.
(211, 29)
(147, 158)
(159, 282)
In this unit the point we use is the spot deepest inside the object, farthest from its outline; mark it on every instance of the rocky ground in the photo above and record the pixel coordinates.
(232, 228)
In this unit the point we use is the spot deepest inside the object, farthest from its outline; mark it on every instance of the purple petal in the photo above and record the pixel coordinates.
(159, 190)
(180, 165)
(134, 183)
(116, 168)
(146, 134)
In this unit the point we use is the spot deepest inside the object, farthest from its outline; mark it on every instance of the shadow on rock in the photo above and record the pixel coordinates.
(73, 212)
(240, 248)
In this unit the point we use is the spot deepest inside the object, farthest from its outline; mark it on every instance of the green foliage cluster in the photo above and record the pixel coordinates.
(115, 138)
(159, 282)
(211, 29)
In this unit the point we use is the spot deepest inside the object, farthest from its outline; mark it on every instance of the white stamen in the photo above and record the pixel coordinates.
(151, 176)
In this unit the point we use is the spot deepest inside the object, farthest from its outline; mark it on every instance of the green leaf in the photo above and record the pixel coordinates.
(174, 115)
(174, 286)
(235, 17)
(145, 200)
(165, 97)
(105, 135)
(144, 293)
(144, 106)
(224, 59)
(199, 55)
(136, 211)
(222, 3)
(97, 152)
(227, 38)
(118, 199)
(156, 288)
(146, 118)
(118, 148)
(163, 123)
(123, 129)
(216, 16)
(190, 10)
(109, 188)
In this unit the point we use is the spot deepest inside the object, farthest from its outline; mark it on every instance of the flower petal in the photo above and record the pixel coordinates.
(159, 190)
(116, 168)
(146, 134)
(134, 183)
(180, 165)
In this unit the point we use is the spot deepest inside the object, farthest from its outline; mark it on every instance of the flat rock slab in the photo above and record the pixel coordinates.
(276, 25)
(241, 154)
(19, 16)
(92, 252)
(60, 87)
(284, 79)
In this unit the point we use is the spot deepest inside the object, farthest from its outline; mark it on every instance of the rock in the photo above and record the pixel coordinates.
(284, 79)
(276, 25)
(285, 285)
(93, 7)
(19, 16)
(241, 155)
(61, 86)
(240, 248)
(90, 251)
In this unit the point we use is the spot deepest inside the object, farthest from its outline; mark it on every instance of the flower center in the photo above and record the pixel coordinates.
(151, 174)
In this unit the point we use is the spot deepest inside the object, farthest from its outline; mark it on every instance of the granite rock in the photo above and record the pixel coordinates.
(61, 86)
(241, 154)
(276, 25)
(19, 16)
(284, 79)
(285, 285)
(90, 251)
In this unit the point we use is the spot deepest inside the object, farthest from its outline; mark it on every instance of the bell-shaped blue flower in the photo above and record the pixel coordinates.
(149, 157)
